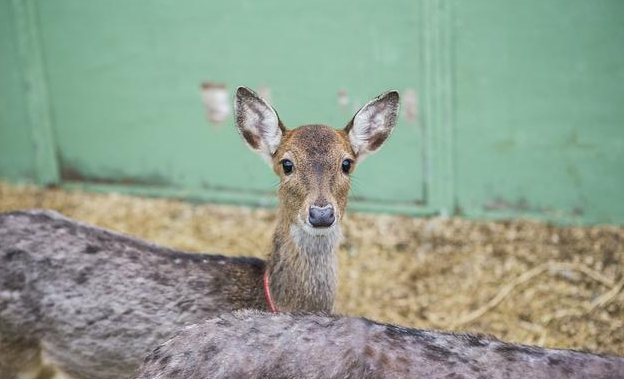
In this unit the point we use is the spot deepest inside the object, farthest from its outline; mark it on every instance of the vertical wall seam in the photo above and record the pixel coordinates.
(452, 30)
(430, 103)
(439, 98)
(449, 111)
(36, 90)
(426, 105)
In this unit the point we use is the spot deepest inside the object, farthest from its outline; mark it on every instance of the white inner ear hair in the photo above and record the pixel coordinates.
(369, 121)
(261, 120)
(271, 132)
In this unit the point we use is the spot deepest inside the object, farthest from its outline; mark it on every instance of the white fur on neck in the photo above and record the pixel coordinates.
(315, 240)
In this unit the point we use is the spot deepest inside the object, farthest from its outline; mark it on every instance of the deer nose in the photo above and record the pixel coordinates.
(321, 217)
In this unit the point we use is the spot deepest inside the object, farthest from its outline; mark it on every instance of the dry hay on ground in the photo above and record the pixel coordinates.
(521, 281)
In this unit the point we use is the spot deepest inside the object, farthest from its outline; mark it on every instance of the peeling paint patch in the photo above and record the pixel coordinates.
(265, 93)
(216, 101)
(343, 100)
(410, 105)
(356, 105)
(499, 204)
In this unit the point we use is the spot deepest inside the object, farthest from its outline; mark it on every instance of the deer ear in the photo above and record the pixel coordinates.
(258, 123)
(371, 125)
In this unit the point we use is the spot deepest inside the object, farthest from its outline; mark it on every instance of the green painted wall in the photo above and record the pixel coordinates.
(126, 98)
(517, 105)
(540, 112)
(16, 147)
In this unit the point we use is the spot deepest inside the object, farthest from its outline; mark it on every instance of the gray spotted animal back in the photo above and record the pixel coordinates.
(256, 345)
(99, 298)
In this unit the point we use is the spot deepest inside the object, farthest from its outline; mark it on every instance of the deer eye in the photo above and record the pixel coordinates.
(346, 165)
(287, 165)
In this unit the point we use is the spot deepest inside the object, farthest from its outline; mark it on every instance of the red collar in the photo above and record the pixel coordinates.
(267, 292)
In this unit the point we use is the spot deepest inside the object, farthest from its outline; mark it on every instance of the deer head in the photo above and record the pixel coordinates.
(314, 162)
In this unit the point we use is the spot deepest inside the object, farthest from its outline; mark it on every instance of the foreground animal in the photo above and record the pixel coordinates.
(255, 345)
(93, 302)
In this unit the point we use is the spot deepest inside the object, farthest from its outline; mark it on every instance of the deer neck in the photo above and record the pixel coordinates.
(302, 268)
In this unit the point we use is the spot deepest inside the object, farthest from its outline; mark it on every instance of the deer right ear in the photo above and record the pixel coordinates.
(258, 123)
(372, 125)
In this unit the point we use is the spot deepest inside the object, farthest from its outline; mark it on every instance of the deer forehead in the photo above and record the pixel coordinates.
(318, 143)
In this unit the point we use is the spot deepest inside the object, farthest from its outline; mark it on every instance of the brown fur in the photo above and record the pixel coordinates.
(302, 268)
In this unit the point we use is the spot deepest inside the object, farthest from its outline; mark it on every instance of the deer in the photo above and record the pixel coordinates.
(253, 344)
(90, 301)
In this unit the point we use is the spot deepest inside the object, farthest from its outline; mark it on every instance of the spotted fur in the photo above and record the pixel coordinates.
(255, 345)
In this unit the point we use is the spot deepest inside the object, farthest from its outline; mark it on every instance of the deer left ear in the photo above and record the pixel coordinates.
(371, 125)
(258, 123)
